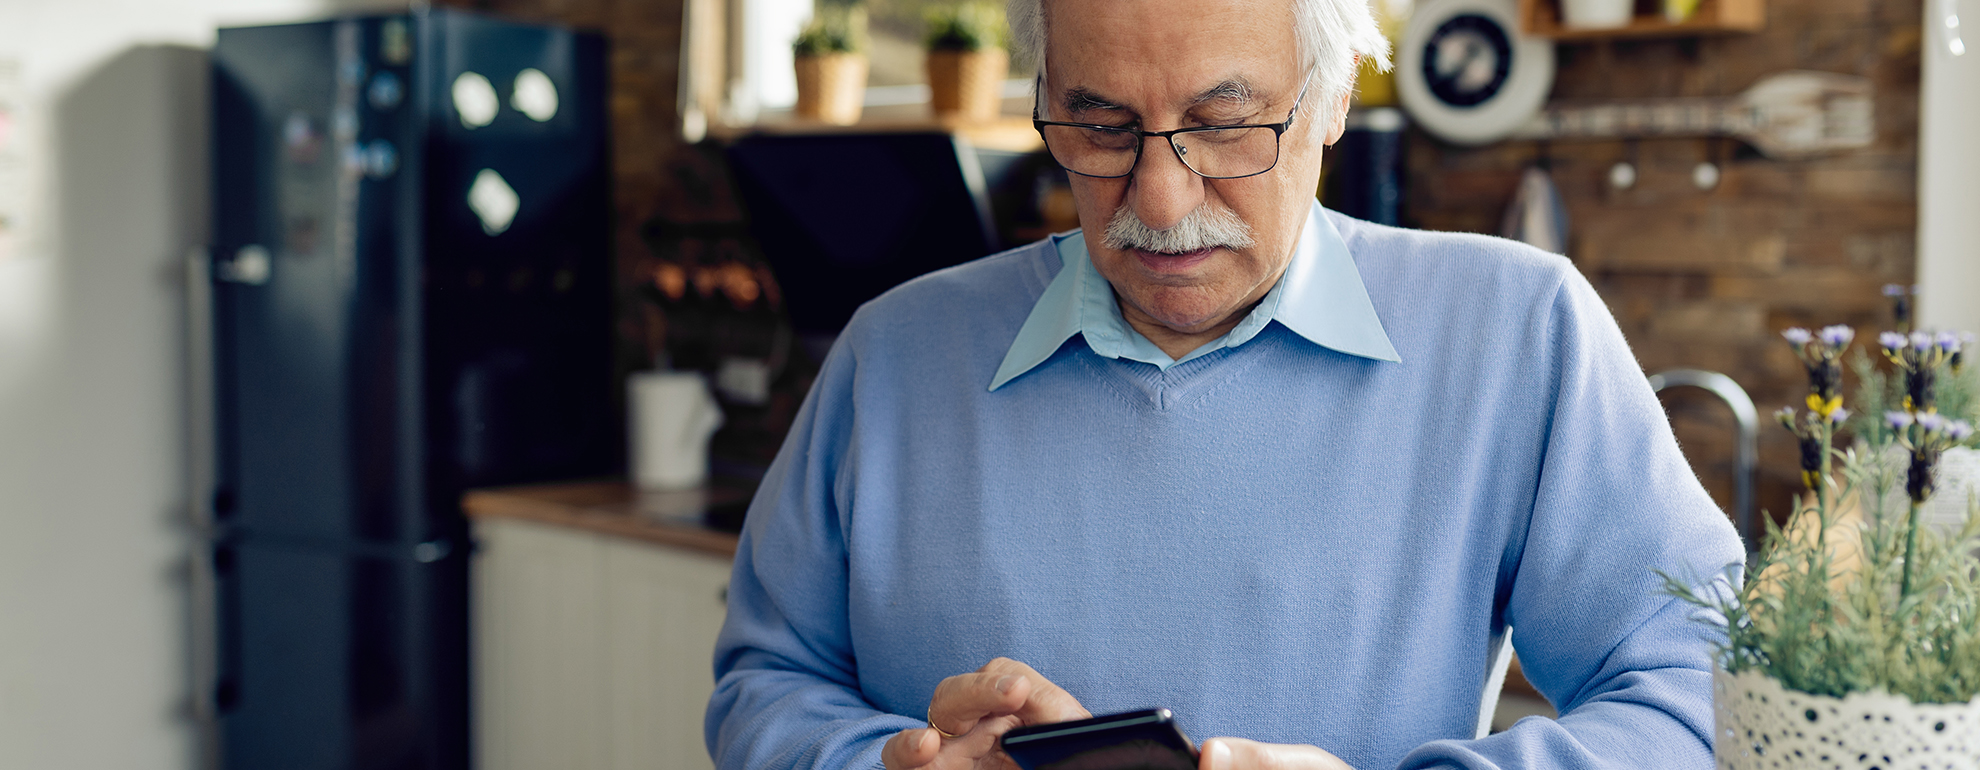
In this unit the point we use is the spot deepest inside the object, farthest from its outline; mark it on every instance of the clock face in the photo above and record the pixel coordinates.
(1466, 60)
(1467, 75)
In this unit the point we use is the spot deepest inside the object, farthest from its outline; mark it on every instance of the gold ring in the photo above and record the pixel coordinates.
(939, 731)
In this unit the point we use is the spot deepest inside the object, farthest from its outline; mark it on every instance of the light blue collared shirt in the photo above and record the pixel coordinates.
(1320, 298)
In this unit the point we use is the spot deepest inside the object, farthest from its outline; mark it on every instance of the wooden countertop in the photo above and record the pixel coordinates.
(615, 508)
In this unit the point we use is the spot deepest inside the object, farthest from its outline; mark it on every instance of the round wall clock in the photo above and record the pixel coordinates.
(1467, 75)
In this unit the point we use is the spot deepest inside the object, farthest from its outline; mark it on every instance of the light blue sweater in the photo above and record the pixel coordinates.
(1278, 541)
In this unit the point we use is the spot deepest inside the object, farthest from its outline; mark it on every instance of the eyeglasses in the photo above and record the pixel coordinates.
(1213, 152)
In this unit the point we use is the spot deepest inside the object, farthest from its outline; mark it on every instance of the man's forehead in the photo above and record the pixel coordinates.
(1177, 52)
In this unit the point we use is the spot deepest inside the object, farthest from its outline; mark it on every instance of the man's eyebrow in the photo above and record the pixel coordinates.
(1236, 90)
(1079, 100)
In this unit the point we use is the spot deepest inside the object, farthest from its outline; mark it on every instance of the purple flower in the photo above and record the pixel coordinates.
(1796, 336)
(1958, 430)
(1921, 341)
(1893, 290)
(1838, 416)
(1891, 340)
(1932, 422)
(1948, 341)
(1898, 420)
(1837, 336)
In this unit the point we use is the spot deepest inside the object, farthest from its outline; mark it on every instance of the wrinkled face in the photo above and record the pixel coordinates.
(1167, 64)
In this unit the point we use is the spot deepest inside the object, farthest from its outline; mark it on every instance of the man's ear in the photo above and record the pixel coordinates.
(1338, 125)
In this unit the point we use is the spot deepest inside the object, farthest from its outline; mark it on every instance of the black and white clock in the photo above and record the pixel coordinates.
(1467, 75)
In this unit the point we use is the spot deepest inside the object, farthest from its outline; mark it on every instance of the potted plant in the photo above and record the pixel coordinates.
(966, 60)
(1855, 640)
(831, 68)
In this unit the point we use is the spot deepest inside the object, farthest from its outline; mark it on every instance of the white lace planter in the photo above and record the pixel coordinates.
(1760, 724)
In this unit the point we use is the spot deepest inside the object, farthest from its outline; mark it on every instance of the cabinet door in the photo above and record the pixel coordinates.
(664, 609)
(540, 670)
(592, 652)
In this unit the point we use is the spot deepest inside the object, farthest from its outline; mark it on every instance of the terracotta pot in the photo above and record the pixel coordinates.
(831, 87)
(967, 85)
(1760, 724)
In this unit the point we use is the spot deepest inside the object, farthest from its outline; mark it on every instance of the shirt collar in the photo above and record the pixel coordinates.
(1320, 298)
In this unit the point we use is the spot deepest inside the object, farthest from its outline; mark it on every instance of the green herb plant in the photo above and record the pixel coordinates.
(836, 27)
(966, 26)
(1835, 604)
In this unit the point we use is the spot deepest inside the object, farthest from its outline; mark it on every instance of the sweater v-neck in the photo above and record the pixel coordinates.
(1185, 384)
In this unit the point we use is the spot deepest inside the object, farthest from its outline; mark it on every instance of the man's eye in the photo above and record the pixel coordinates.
(1221, 136)
(1110, 140)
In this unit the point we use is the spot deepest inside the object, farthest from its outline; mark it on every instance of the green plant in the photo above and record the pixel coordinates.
(1956, 391)
(1837, 603)
(966, 26)
(837, 27)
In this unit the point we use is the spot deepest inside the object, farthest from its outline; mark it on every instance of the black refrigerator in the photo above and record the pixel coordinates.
(411, 297)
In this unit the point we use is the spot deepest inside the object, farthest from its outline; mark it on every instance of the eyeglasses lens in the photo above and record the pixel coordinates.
(1222, 153)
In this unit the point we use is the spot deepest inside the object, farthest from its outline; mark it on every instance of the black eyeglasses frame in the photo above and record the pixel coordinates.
(1141, 139)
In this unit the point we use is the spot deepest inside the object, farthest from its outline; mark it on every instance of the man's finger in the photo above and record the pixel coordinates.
(910, 749)
(1047, 702)
(1241, 754)
(963, 700)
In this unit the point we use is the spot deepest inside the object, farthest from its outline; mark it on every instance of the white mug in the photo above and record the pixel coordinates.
(671, 417)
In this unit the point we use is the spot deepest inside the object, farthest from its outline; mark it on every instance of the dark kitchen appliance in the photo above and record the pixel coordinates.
(843, 217)
(412, 297)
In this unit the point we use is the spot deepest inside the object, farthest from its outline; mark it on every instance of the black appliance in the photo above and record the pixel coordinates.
(1365, 168)
(412, 297)
(842, 217)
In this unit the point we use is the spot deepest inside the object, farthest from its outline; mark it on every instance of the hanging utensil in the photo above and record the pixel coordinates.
(1787, 115)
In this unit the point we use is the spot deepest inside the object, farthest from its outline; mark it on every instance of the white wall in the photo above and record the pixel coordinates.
(94, 533)
(1949, 171)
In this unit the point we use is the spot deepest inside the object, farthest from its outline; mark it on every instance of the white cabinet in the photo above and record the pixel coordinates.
(592, 652)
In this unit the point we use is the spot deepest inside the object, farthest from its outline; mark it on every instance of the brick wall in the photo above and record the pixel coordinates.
(1706, 279)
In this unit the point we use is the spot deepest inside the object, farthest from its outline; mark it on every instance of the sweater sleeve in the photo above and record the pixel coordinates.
(787, 693)
(1627, 666)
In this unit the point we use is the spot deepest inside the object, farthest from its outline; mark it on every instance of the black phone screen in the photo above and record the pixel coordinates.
(1137, 740)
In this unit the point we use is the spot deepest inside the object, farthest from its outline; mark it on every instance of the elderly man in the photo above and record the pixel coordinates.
(1288, 474)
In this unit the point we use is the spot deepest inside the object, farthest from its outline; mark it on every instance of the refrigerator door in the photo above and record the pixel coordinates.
(309, 306)
(342, 662)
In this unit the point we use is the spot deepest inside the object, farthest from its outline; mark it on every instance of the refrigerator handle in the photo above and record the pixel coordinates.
(251, 265)
(433, 550)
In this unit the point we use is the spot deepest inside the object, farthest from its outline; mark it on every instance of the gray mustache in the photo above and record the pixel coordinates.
(1200, 229)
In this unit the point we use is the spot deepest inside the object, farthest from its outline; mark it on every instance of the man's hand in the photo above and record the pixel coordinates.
(1240, 754)
(978, 708)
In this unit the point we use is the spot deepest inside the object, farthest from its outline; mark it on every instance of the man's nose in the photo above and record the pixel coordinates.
(1164, 190)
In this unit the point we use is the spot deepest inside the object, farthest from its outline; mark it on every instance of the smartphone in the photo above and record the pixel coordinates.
(1131, 741)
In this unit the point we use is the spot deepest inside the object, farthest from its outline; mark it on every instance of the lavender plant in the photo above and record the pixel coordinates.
(1954, 392)
(1884, 603)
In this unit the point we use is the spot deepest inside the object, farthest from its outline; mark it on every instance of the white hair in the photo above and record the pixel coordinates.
(1330, 35)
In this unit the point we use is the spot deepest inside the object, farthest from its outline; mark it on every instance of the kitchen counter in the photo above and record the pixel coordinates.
(692, 519)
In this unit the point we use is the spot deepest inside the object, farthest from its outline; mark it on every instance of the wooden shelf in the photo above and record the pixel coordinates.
(1542, 18)
(1009, 133)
